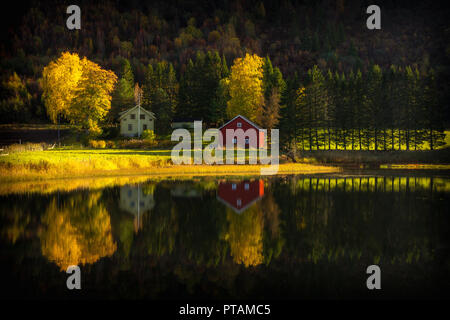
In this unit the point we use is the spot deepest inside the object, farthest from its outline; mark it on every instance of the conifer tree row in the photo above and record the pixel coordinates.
(395, 109)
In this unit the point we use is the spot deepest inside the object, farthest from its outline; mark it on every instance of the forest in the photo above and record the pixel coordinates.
(314, 70)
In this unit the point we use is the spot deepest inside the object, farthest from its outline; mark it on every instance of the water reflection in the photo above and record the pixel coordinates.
(76, 231)
(137, 201)
(239, 195)
(196, 233)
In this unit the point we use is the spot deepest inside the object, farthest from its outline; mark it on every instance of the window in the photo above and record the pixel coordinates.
(239, 202)
(234, 140)
(144, 127)
(246, 140)
(132, 116)
(247, 186)
(239, 125)
(233, 186)
(143, 116)
(151, 120)
(130, 127)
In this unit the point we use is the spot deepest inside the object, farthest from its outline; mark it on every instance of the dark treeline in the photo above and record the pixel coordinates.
(178, 53)
(392, 109)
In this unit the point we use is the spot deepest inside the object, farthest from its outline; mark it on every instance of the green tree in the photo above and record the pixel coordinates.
(201, 94)
(316, 102)
(160, 93)
(16, 104)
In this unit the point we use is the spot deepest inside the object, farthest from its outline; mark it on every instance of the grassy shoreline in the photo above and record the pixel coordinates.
(85, 163)
(23, 173)
(50, 164)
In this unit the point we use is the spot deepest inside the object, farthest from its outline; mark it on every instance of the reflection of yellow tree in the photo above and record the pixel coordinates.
(245, 236)
(17, 221)
(78, 232)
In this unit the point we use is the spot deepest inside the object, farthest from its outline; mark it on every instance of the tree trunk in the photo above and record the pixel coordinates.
(431, 139)
(407, 139)
(376, 139)
(310, 139)
(393, 138)
(359, 134)
(353, 139)
(329, 138)
(345, 139)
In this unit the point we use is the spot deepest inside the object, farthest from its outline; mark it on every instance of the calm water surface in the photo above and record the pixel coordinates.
(281, 237)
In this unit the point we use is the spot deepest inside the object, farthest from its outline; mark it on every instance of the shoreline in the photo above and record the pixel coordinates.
(21, 173)
(87, 163)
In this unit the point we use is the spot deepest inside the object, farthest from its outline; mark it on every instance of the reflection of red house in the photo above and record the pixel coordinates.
(241, 122)
(240, 195)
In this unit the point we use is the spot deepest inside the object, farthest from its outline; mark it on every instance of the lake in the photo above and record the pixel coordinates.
(285, 237)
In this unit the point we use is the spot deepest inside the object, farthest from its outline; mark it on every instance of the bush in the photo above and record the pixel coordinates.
(110, 144)
(148, 135)
(97, 144)
(135, 144)
(16, 148)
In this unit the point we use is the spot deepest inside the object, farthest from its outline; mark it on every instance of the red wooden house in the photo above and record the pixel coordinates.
(241, 122)
(240, 195)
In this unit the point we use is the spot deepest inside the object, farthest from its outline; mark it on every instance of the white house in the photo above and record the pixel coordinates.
(135, 120)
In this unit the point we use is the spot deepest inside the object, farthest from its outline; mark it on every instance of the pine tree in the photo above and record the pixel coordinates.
(316, 100)
(123, 95)
(160, 93)
(200, 88)
(374, 101)
(292, 119)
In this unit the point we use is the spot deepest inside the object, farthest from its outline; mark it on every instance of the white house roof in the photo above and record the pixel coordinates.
(124, 113)
(239, 116)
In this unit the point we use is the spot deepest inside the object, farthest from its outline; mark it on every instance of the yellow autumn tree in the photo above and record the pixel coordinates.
(59, 81)
(78, 89)
(245, 87)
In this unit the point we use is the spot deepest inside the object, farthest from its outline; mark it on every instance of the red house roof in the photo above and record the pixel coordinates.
(240, 195)
(243, 118)
(241, 122)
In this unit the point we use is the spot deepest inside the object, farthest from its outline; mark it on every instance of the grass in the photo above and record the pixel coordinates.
(63, 163)
(38, 126)
(403, 147)
(376, 158)
(415, 166)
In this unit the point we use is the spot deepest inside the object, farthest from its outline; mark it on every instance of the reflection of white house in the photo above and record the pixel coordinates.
(134, 201)
(135, 120)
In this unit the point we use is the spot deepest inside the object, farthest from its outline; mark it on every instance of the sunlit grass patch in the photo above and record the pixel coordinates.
(415, 166)
(62, 163)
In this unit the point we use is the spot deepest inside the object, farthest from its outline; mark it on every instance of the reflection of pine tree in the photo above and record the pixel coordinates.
(273, 240)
